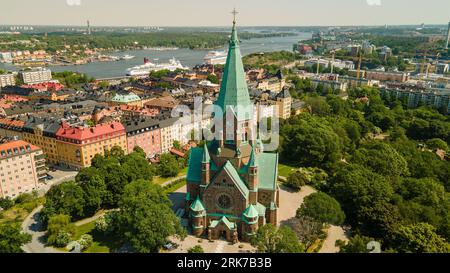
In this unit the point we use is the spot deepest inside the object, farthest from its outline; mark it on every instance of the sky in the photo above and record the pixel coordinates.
(218, 12)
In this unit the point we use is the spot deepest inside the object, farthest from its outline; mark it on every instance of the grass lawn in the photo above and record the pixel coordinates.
(101, 244)
(19, 212)
(161, 180)
(285, 170)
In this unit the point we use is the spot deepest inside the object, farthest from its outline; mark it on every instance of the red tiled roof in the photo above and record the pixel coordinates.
(176, 152)
(81, 133)
(12, 122)
(16, 147)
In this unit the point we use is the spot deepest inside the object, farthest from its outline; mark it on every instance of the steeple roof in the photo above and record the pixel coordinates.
(234, 91)
(253, 160)
(197, 206)
(205, 158)
(251, 212)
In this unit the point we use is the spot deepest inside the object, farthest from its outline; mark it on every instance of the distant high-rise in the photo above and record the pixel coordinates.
(448, 36)
(88, 28)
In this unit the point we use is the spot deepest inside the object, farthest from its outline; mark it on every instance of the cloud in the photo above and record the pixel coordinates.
(373, 2)
(73, 2)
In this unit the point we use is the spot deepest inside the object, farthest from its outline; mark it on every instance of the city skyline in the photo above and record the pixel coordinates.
(212, 13)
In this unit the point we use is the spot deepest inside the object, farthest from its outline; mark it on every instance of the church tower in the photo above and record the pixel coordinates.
(231, 183)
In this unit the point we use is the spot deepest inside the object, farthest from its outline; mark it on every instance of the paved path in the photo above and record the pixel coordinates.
(334, 233)
(33, 226)
(173, 180)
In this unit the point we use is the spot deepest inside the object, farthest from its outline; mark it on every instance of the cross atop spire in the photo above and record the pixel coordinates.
(234, 12)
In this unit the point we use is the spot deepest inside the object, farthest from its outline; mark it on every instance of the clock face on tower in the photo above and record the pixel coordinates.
(224, 201)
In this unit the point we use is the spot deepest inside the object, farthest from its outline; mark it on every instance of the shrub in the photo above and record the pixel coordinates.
(6, 203)
(196, 249)
(85, 241)
(296, 180)
(62, 238)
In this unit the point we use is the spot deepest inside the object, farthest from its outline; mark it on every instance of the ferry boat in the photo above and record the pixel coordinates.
(216, 57)
(147, 67)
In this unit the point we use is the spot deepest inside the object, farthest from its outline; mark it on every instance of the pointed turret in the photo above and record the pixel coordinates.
(205, 158)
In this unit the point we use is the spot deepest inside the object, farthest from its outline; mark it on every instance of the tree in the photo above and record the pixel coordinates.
(213, 78)
(196, 249)
(145, 217)
(296, 180)
(356, 188)
(323, 208)
(437, 143)
(12, 238)
(356, 244)
(307, 229)
(94, 189)
(381, 158)
(168, 166)
(419, 238)
(66, 198)
(59, 230)
(270, 239)
(310, 142)
(6, 203)
(378, 220)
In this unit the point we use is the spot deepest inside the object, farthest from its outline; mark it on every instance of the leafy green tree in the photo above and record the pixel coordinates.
(59, 230)
(296, 180)
(419, 238)
(6, 203)
(168, 166)
(12, 238)
(196, 249)
(213, 78)
(145, 218)
(270, 239)
(310, 142)
(94, 189)
(66, 198)
(378, 220)
(356, 244)
(323, 208)
(437, 143)
(381, 158)
(356, 188)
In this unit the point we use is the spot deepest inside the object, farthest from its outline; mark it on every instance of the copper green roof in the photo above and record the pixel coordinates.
(194, 174)
(225, 221)
(251, 212)
(197, 206)
(253, 160)
(234, 90)
(232, 172)
(206, 158)
(268, 171)
(127, 98)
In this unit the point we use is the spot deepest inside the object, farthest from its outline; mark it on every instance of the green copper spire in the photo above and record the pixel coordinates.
(234, 90)
(206, 157)
(252, 161)
(197, 206)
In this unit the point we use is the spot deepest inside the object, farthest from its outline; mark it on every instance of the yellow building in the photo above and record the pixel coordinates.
(77, 146)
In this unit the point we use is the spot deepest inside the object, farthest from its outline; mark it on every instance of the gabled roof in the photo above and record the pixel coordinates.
(234, 175)
(225, 221)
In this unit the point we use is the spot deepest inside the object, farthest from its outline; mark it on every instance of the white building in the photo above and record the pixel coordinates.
(171, 130)
(5, 57)
(36, 75)
(7, 80)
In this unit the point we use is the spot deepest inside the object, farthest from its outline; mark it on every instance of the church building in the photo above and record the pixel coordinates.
(231, 183)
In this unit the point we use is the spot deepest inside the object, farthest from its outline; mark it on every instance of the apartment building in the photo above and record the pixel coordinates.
(143, 132)
(76, 146)
(171, 130)
(36, 75)
(7, 80)
(22, 168)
